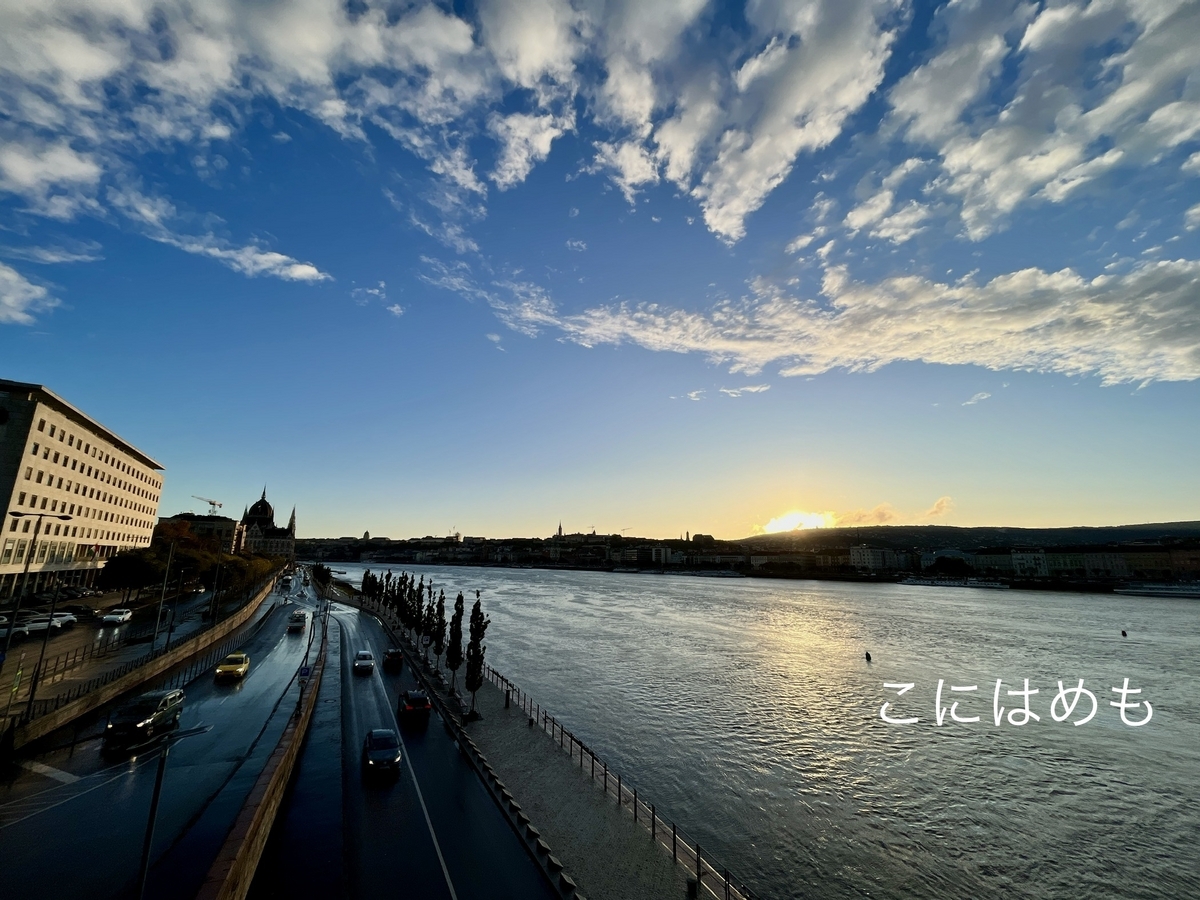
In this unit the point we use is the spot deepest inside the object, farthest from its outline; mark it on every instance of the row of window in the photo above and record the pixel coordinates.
(62, 507)
(98, 453)
(79, 466)
(80, 488)
(51, 552)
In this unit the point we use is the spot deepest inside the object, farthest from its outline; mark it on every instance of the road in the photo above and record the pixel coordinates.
(72, 822)
(434, 833)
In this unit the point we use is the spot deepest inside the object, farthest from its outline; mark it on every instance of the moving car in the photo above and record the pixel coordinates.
(364, 662)
(65, 618)
(235, 665)
(148, 715)
(79, 610)
(297, 621)
(39, 622)
(118, 616)
(393, 660)
(381, 753)
(415, 706)
(19, 631)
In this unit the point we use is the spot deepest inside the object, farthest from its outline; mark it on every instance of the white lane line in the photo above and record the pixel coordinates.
(49, 771)
(428, 823)
(38, 812)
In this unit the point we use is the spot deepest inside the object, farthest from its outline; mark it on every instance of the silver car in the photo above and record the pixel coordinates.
(364, 662)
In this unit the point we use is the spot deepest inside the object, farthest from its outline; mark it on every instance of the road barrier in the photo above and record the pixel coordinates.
(232, 872)
(51, 714)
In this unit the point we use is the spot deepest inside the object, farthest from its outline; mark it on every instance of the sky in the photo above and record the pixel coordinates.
(642, 267)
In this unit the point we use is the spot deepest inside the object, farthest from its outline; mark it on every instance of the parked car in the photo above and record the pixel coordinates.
(118, 616)
(148, 715)
(235, 665)
(39, 622)
(19, 631)
(364, 662)
(381, 753)
(415, 707)
(393, 660)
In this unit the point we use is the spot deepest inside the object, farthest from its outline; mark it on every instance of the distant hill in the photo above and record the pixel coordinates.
(930, 537)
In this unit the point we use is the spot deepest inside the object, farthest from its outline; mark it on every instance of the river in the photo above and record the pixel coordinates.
(747, 711)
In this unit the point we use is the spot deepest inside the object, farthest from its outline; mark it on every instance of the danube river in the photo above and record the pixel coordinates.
(747, 711)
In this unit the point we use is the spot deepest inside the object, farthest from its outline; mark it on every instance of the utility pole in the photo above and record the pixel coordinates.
(37, 670)
(163, 596)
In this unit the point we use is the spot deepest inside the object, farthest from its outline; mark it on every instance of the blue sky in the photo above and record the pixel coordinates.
(648, 266)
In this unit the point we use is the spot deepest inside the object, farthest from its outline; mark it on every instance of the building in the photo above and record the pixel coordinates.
(99, 493)
(214, 530)
(257, 532)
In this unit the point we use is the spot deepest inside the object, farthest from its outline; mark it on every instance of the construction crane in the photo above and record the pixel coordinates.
(213, 505)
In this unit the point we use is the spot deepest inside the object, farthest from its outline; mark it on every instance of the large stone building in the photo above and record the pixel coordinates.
(214, 531)
(95, 493)
(257, 532)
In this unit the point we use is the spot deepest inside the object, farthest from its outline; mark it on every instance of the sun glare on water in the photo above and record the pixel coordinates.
(793, 520)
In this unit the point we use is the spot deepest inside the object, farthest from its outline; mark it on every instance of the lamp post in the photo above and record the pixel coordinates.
(25, 575)
(37, 670)
(167, 741)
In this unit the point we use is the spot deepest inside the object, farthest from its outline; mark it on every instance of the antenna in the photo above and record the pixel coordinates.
(213, 505)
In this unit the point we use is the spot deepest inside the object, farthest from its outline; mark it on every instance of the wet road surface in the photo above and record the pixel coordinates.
(434, 832)
(72, 820)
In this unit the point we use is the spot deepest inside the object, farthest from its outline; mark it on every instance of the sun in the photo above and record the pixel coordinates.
(791, 521)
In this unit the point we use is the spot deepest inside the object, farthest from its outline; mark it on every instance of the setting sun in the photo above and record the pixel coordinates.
(792, 520)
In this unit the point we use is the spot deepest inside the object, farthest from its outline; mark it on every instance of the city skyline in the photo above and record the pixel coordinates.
(652, 268)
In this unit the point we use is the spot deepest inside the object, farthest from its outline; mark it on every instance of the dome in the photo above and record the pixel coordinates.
(262, 511)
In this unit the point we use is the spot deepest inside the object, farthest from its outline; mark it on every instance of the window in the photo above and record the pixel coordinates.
(13, 527)
(44, 545)
(21, 499)
(75, 531)
(20, 554)
(60, 484)
(28, 472)
(44, 500)
(6, 557)
(54, 506)
(46, 453)
(71, 441)
(35, 449)
(51, 431)
(25, 526)
(56, 457)
(41, 475)
(42, 425)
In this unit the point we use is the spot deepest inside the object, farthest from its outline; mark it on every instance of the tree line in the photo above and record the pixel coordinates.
(423, 616)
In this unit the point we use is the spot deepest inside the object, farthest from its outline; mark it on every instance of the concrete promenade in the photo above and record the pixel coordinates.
(609, 856)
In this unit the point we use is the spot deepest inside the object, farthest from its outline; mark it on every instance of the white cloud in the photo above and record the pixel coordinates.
(396, 310)
(20, 299)
(1124, 327)
(1191, 218)
(574, 212)
(748, 389)
(799, 243)
(363, 296)
(630, 164)
(525, 141)
(152, 215)
(941, 507)
(78, 251)
(977, 398)
(577, 246)
(1192, 164)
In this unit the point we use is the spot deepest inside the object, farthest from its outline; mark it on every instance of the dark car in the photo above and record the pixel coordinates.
(148, 715)
(381, 753)
(393, 660)
(415, 706)
(82, 611)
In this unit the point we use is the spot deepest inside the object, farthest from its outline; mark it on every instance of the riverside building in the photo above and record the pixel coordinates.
(58, 461)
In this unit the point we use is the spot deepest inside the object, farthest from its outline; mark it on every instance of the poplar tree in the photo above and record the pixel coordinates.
(439, 628)
(454, 650)
(476, 650)
(428, 625)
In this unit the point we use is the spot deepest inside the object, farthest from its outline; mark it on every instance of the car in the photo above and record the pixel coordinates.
(79, 610)
(118, 616)
(364, 662)
(393, 660)
(148, 715)
(235, 665)
(414, 706)
(297, 621)
(39, 622)
(65, 618)
(381, 753)
(19, 631)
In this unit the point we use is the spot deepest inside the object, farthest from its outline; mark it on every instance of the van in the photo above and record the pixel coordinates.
(297, 621)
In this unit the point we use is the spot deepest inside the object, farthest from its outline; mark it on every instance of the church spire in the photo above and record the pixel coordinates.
(292, 523)
(264, 496)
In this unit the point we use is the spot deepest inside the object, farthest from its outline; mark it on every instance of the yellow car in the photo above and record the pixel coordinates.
(236, 665)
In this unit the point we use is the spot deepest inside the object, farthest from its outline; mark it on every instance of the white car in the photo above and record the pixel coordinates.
(19, 631)
(364, 662)
(118, 616)
(65, 618)
(38, 623)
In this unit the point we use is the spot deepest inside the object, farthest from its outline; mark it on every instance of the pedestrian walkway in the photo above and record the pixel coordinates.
(609, 856)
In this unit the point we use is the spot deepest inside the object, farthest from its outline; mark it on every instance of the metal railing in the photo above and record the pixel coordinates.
(699, 863)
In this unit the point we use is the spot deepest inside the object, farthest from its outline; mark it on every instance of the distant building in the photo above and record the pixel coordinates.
(217, 530)
(99, 492)
(257, 532)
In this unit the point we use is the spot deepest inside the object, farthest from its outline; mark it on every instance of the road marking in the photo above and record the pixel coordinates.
(428, 822)
(127, 770)
(49, 771)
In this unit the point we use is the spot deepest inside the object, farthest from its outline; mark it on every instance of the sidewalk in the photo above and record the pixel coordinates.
(609, 856)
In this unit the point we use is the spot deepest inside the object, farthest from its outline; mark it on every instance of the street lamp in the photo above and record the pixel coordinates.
(166, 742)
(25, 575)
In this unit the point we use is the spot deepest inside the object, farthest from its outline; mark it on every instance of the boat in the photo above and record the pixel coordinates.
(956, 582)
(1136, 589)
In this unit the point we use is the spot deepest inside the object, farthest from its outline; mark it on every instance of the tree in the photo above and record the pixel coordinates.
(476, 650)
(439, 628)
(428, 625)
(454, 650)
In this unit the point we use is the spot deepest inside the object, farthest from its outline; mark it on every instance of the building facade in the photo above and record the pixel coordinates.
(97, 493)
(257, 532)
(217, 531)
